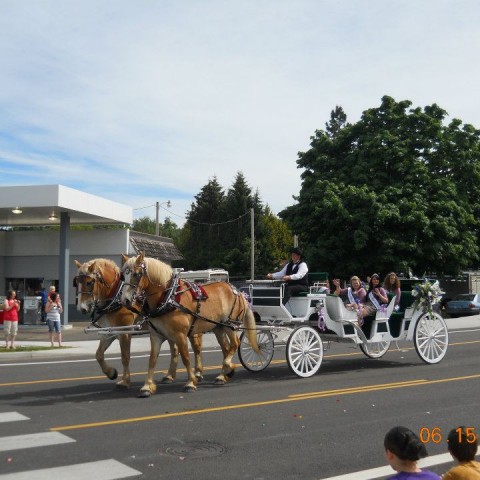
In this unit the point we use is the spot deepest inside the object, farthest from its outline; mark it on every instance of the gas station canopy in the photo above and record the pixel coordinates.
(44, 205)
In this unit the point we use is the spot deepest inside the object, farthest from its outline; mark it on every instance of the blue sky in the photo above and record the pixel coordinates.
(144, 101)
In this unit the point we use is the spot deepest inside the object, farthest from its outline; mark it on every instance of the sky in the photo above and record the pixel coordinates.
(145, 101)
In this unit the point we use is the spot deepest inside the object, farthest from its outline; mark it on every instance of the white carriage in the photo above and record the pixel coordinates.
(307, 322)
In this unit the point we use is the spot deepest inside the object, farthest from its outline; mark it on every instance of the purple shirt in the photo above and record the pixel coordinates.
(423, 475)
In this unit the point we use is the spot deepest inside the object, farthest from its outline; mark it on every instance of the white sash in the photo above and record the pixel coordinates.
(351, 298)
(372, 298)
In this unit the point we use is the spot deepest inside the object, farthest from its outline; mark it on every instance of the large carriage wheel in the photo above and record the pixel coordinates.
(431, 337)
(375, 349)
(249, 358)
(304, 351)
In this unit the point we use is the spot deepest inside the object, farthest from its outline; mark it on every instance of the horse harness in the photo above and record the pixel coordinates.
(171, 301)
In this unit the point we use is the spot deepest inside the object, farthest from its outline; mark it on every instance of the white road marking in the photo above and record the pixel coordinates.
(101, 470)
(33, 440)
(12, 417)
(379, 472)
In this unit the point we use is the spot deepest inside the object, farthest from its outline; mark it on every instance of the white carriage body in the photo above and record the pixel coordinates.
(304, 323)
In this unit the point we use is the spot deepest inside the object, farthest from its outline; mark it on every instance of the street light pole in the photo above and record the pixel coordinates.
(157, 208)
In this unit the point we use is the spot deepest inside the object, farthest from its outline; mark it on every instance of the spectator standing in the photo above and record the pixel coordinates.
(11, 306)
(44, 297)
(53, 310)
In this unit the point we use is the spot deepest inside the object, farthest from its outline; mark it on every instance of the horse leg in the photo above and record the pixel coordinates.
(229, 344)
(182, 343)
(125, 342)
(105, 342)
(172, 369)
(196, 341)
(150, 387)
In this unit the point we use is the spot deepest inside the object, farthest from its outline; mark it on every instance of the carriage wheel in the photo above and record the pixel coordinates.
(249, 358)
(304, 351)
(375, 349)
(431, 337)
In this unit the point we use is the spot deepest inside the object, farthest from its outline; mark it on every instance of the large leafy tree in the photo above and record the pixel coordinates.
(396, 190)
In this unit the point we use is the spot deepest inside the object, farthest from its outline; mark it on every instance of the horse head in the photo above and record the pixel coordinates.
(133, 270)
(95, 283)
(145, 279)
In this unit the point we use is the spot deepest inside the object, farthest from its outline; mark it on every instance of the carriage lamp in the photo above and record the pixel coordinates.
(17, 211)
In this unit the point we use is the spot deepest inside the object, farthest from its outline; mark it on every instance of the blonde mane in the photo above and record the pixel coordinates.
(158, 272)
(104, 263)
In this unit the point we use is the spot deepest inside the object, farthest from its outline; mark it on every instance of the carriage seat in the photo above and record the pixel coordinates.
(316, 280)
(395, 321)
(406, 301)
(337, 311)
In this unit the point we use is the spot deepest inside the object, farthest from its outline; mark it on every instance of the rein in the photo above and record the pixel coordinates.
(114, 305)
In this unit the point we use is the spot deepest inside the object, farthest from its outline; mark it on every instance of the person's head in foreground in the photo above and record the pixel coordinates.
(403, 449)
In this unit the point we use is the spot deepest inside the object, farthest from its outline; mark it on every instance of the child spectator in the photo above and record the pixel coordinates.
(463, 446)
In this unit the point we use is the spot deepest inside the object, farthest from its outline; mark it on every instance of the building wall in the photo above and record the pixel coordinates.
(35, 254)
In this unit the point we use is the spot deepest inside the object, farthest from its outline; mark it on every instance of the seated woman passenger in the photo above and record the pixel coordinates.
(392, 285)
(376, 297)
(355, 292)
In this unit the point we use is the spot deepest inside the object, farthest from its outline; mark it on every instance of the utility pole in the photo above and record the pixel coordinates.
(252, 241)
(157, 225)
(157, 221)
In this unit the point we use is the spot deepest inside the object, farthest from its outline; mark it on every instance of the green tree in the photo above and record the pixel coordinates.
(201, 244)
(144, 225)
(218, 231)
(397, 189)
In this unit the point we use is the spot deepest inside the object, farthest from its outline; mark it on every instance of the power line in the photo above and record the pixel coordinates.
(194, 221)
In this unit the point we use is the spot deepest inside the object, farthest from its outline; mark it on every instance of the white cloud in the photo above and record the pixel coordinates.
(145, 101)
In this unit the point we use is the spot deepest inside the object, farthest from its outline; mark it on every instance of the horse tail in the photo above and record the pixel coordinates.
(250, 327)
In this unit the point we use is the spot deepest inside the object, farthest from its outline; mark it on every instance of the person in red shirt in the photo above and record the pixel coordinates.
(11, 306)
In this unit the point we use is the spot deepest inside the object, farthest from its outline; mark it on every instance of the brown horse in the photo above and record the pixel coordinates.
(176, 312)
(98, 284)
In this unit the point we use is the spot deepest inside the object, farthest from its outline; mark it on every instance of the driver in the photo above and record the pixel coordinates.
(294, 273)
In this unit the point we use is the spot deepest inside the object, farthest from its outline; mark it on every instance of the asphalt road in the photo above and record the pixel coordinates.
(268, 425)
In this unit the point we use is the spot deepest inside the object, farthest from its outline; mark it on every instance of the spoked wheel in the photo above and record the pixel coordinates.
(431, 337)
(375, 349)
(249, 358)
(304, 351)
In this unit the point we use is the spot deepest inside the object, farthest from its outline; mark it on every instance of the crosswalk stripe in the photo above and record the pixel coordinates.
(101, 470)
(12, 417)
(32, 440)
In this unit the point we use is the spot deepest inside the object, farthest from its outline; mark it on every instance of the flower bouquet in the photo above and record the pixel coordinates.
(426, 294)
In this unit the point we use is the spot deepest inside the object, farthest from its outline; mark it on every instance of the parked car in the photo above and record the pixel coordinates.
(464, 304)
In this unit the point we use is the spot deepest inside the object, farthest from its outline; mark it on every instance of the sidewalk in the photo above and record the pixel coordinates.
(79, 342)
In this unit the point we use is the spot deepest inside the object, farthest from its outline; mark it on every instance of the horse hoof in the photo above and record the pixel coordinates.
(114, 375)
(220, 382)
(166, 380)
(189, 389)
(231, 373)
(122, 386)
(144, 394)
(199, 378)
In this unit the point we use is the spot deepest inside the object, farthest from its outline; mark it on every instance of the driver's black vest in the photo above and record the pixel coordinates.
(293, 268)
